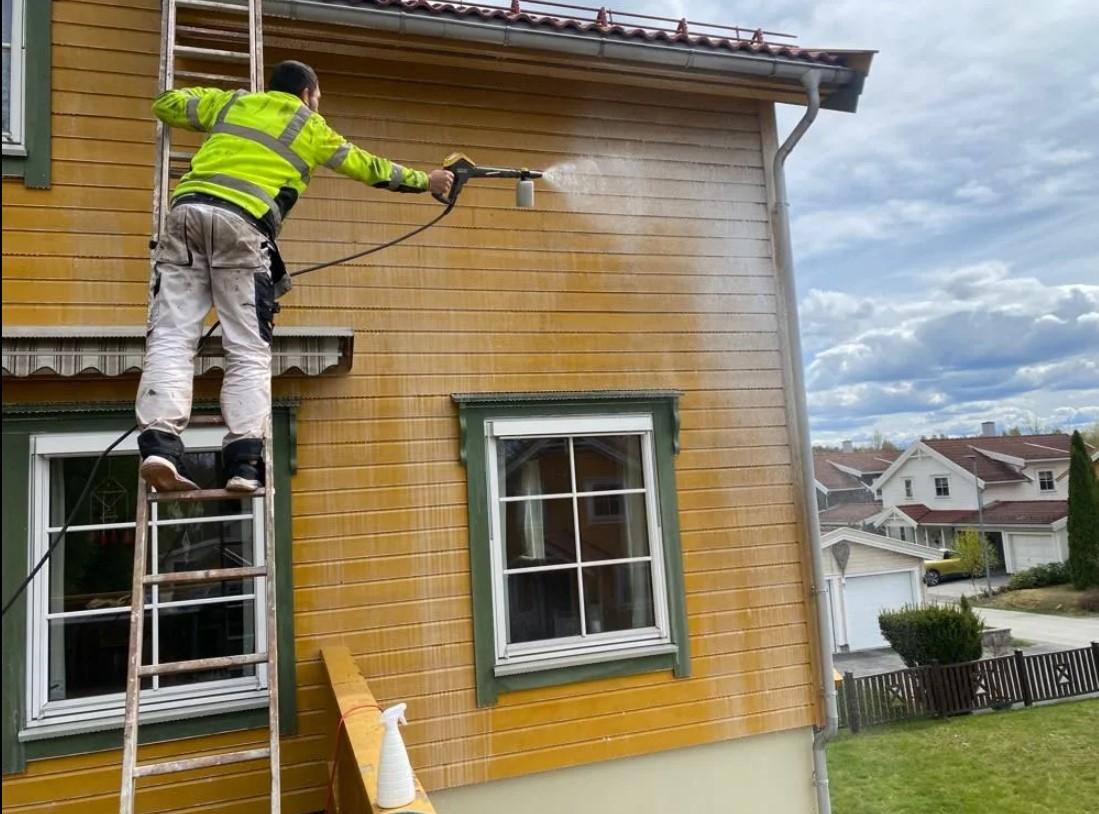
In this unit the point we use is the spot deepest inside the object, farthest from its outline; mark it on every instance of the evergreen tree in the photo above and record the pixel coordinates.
(1083, 517)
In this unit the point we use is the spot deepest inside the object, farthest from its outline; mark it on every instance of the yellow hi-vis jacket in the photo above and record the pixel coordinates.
(263, 148)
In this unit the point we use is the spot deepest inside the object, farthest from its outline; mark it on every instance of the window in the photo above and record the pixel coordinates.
(27, 91)
(1045, 480)
(13, 77)
(80, 617)
(942, 486)
(908, 492)
(575, 558)
(66, 644)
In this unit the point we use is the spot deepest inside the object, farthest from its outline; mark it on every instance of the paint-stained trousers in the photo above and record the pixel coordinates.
(208, 255)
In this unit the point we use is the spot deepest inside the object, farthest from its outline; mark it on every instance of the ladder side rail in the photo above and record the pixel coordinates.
(133, 680)
(271, 614)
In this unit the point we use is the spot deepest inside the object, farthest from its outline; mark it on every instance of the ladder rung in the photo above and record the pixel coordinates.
(213, 77)
(199, 665)
(214, 5)
(212, 53)
(178, 156)
(209, 575)
(170, 766)
(200, 495)
(205, 421)
(212, 33)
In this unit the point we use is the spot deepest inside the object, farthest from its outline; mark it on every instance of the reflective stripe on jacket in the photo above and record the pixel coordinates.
(263, 148)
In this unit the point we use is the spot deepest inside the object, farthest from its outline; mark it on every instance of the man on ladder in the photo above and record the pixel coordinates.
(218, 246)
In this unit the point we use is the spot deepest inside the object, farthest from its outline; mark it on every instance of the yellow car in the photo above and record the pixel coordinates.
(949, 566)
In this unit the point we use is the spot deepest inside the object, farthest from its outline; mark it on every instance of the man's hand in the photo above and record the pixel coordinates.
(439, 182)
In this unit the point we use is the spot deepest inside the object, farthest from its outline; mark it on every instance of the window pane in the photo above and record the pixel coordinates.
(613, 527)
(91, 570)
(7, 84)
(193, 546)
(7, 21)
(88, 654)
(204, 631)
(538, 532)
(113, 495)
(534, 466)
(608, 462)
(543, 605)
(618, 597)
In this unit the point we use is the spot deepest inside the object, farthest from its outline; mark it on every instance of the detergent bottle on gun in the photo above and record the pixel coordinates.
(395, 784)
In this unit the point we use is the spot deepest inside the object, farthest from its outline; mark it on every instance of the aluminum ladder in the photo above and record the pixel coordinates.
(225, 33)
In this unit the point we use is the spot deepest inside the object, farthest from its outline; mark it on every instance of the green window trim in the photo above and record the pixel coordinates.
(34, 167)
(19, 424)
(474, 409)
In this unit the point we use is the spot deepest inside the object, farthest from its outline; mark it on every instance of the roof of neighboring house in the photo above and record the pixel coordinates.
(846, 513)
(601, 21)
(1023, 447)
(1025, 512)
(831, 477)
(1000, 513)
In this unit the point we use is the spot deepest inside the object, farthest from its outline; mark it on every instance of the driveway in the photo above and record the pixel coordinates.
(1045, 633)
(1047, 628)
(948, 593)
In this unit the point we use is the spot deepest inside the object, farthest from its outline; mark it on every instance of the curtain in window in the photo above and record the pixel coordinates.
(534, 532)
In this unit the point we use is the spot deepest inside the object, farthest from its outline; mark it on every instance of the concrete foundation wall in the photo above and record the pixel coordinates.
(769, 773)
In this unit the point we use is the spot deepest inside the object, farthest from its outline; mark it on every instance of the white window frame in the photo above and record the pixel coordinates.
(935, 486)
(14, 141)
(588, 647)
(1052, 481)
(909, 488)
(46, 718)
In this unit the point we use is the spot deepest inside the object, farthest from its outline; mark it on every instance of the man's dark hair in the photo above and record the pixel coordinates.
(293, 77)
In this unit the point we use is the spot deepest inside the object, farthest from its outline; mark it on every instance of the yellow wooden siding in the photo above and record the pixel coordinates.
(656, 273)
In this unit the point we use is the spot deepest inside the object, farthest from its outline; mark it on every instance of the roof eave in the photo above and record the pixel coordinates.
(840, 85)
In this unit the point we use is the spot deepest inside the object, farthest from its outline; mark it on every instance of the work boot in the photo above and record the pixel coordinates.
(162, 462)
(243, 462)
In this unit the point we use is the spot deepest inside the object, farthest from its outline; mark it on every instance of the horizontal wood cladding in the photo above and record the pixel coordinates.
(646, 264)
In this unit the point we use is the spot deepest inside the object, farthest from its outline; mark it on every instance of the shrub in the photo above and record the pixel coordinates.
(937, 634)
(1089, 600)
(1083, 517)
(1053, 573)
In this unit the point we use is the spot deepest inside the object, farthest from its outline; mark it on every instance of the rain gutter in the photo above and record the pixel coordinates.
(784, 261)
(844, 83)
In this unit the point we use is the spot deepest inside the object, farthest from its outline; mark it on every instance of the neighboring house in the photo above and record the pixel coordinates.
(534, 468)
(869, 573)
(847, 476)
(849, 515)
(1021, 482)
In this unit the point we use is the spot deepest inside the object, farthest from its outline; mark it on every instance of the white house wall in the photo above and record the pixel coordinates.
(1029, 489)
(923, 468)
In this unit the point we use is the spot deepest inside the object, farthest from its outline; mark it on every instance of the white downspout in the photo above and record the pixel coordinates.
(784, 261)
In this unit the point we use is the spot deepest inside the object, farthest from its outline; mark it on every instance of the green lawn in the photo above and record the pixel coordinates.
(1042, 760)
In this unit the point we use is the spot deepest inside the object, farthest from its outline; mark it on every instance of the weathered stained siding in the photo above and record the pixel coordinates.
(653, 271)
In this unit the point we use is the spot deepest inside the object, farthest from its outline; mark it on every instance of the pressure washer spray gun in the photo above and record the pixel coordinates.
(464, 170)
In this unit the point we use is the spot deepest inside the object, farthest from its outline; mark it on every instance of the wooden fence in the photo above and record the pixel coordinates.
(953, 689)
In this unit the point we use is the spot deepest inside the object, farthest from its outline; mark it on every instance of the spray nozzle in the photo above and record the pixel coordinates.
(464, 170)
(394, 715)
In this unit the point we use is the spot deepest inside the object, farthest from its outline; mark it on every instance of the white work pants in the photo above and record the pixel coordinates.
(208, 255)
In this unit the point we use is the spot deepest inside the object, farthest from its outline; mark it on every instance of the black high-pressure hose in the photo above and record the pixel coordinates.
(95, 467)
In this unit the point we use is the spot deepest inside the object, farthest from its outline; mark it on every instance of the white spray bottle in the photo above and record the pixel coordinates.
(395, 784)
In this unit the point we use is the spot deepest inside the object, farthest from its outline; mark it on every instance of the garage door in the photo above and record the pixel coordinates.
(866, 598)
(1028, 550)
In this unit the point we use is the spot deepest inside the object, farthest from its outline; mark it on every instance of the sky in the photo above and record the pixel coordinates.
(946, 236)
